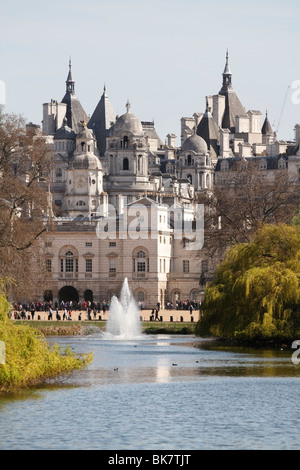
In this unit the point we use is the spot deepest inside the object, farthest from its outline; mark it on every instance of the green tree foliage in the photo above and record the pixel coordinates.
(29, 359)
(255, 292)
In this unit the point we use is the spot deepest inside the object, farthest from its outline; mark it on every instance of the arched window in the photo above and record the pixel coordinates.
(69, 262)
(140, 263)
(125, 164)
(189, 160)
(194, 294)
(207, 181)
(88, 295)
(140, 296)
(176, 296)
(125, 142)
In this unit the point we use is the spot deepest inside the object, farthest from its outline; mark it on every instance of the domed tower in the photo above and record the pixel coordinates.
(195, 163)
(64, 146)
(126, 158)
(84, 185)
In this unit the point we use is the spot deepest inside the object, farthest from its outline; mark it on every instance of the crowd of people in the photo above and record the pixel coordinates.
(63, 310)
(58, 310)
(183, 305)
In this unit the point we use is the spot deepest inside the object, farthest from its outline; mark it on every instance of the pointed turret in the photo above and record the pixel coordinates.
(227, 75)
(75, 112)
(268, 135)
(70, 83)
(233, 106)
(101, 121)
(267, 128)
(208, 130)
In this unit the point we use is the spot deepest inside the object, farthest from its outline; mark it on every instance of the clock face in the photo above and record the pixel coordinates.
(80, 182)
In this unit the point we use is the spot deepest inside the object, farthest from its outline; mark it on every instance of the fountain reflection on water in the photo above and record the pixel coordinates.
(123, 320)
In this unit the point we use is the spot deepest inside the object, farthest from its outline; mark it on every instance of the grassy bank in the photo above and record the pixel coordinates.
(61, 328)
(28, 358)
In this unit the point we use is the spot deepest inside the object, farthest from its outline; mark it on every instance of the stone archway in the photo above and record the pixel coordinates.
(68, 293)
(88, 295)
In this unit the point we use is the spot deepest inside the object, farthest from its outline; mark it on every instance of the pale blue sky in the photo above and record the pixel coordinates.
(164, 56)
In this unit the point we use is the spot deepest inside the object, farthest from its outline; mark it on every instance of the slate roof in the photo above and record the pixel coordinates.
(75, 112)
(209, 131)
(233, 106)
(272, 161)
(101, 121)
(150, 132)
(65, 132)
(266, 128)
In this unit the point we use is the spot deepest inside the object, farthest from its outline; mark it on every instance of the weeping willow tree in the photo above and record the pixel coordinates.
(255, 292)
(26, 359)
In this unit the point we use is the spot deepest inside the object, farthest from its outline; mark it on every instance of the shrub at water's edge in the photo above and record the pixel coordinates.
(29, 359)
(255, 293)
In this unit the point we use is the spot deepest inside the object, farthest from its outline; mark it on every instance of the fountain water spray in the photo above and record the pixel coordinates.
(123, 320)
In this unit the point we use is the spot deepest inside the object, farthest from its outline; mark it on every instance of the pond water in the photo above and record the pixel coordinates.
(160, 392)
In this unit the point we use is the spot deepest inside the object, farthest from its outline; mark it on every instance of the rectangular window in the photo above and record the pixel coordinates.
(112, 265)
(69, 265)
(141, 266)
(186, 266)
(88, 244)
(88, 265)
(49, 265)
(112, 244)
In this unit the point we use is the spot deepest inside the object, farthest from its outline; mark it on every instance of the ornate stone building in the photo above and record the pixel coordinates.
(125, 202)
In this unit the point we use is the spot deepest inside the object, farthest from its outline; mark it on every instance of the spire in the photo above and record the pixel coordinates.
(267, 128)
(70, 83)
(101, 121)
(227, 70)
(233, 106)
(128, 106)
(74, 113)
(227, 74)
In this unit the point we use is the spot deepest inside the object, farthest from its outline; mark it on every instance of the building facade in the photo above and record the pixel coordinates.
(124, 201)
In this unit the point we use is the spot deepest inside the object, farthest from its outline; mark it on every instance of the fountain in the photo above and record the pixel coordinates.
(123, 320)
